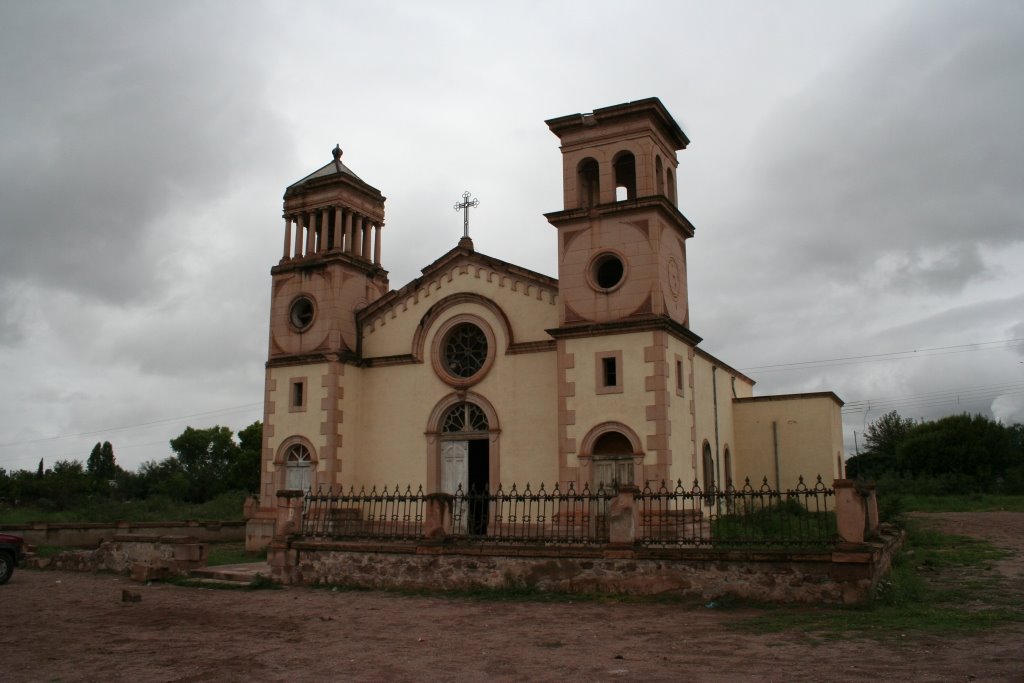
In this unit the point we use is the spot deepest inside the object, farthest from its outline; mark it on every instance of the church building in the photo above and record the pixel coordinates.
(482, 372)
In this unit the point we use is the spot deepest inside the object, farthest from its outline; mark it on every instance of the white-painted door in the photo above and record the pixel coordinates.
(454, 465)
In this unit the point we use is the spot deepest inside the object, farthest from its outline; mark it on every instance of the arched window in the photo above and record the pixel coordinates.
(464, 417)
(613, 460)
(658, 175)
(727, 461)
(670, 181)
(298, 468)
(588, 184)
(709, 468)
(625, 176)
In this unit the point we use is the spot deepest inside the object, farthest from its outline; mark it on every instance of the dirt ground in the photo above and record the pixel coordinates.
(60, 626)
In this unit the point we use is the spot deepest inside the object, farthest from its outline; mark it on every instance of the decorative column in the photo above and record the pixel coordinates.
(287, 237)
(367, 226)
(376, 242)
(322, 228)
(337, 228)
(349, 230)
(300, 228)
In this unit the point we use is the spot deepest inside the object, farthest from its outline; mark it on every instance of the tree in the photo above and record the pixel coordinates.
(245, 472)
(961, 451)
(206, 457)
(882, 438)
(101, 464)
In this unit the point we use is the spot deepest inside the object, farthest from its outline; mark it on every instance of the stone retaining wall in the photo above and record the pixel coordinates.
(144, 557)
(91, 535)
(840, 577)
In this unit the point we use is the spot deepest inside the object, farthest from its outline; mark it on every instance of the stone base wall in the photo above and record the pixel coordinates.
(259, 531)
(841, 577)
(145, 556)
(91, 535)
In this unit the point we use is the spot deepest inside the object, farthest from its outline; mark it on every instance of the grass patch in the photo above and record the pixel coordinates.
(783, 524)
(231, 553)
(939, 584)
(225, 507)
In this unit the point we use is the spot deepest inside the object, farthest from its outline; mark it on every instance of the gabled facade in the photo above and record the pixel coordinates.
(481, 372)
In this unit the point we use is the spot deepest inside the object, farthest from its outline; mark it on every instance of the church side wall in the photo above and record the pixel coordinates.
(681, 414)
(809, 438)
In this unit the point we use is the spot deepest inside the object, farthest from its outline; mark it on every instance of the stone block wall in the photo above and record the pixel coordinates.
(139, 555)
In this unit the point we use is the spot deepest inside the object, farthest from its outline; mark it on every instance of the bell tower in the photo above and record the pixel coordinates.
(330, 266)
(621, 237)
(330, 269)
(623, 340)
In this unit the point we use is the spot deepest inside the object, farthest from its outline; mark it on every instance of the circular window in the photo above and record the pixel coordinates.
(465, 350)
(607, 271)
(301, 313)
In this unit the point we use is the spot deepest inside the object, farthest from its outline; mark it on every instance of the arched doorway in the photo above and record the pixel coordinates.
(610, 455)
(613, 460)
(465, 460)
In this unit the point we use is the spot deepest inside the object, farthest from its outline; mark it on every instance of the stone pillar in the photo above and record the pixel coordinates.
(851, 511)
(437, 518)
(287, 237)
(622, 517)
(348, 231)
(337, 228)
(367, 226)
(300, 227)
(282, 558)
(376, 242)
(289, 513)
(871, 499)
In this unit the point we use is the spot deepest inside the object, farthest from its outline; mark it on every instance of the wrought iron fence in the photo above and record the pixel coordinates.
(390, 514)
(564, 517)
(732, 517)
(668, 515)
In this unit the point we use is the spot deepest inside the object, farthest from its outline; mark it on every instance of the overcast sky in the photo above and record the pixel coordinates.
(855, 176)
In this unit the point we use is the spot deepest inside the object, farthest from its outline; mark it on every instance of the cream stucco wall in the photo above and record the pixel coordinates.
(397, 401)
(288, 423)
(810, 438)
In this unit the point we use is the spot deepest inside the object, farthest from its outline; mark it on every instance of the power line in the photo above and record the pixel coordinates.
(891, 355)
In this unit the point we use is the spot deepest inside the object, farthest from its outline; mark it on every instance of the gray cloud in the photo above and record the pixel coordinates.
(124, 114)
(911, 148)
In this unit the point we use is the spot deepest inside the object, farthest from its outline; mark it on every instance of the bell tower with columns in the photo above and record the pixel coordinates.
(330, 268)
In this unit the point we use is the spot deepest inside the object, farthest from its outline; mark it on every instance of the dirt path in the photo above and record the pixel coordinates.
(60, 626)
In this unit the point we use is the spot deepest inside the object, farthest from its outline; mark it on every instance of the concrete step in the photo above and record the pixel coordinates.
(242, 574)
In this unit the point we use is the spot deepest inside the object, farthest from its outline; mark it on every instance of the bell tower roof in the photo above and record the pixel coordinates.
(333, 171)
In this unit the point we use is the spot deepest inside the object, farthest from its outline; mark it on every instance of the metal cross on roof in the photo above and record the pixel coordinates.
(464, 206)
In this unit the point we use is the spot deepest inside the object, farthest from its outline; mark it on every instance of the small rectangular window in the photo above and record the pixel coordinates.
(608, 372)
(680, 376)
(608, 366)
(297, 394)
